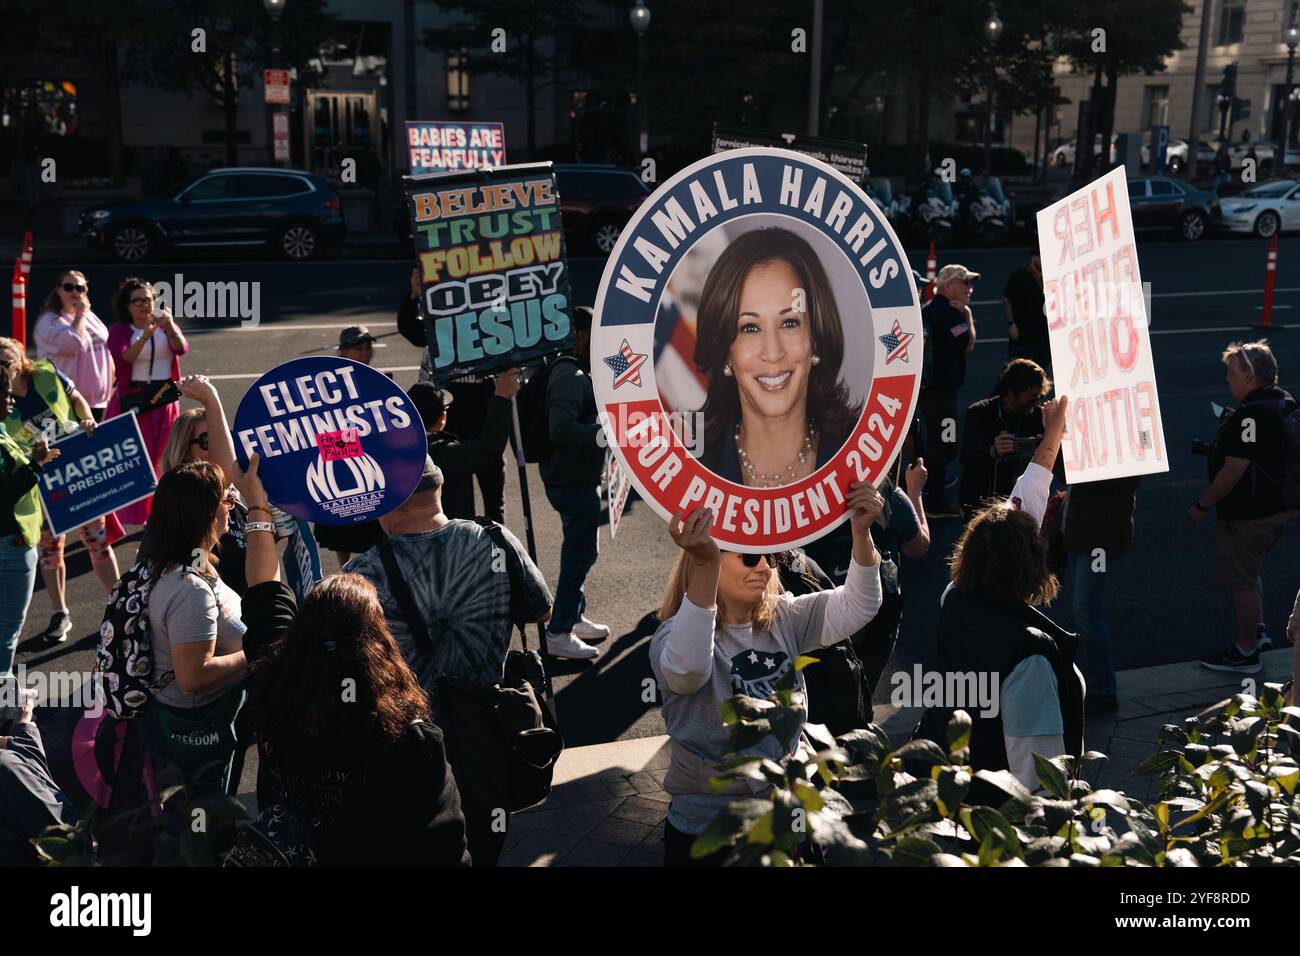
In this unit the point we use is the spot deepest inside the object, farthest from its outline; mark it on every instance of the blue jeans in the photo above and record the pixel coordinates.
(1088, 594)
(579, 508)
(17, 578)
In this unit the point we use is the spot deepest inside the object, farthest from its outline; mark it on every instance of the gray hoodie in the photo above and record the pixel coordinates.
(699, 663)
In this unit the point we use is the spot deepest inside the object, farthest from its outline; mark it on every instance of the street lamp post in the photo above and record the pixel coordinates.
(640, 17)
(992, 31)
(1291, 37)
(273, 8)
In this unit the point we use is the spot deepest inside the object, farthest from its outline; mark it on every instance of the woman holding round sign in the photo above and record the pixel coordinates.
(771, 342)
(728, 628)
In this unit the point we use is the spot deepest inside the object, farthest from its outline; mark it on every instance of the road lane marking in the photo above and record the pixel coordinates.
(233, 376)
(1178, 295)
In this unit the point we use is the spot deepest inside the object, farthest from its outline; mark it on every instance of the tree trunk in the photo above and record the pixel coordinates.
(230, 100)
(1094, 114)
(531, 99)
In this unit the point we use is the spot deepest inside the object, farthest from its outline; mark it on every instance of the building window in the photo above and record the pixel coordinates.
(458, 80)
(1155, 106)
(1231, 19)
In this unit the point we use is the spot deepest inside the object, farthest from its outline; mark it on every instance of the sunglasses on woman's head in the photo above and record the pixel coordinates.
(73, 287)
(201, 441)
(751, 560)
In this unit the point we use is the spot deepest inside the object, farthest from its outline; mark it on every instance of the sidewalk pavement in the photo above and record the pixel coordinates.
(607, 804)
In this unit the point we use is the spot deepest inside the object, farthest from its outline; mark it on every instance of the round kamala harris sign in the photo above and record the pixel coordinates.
(339, 442)
(757, 346)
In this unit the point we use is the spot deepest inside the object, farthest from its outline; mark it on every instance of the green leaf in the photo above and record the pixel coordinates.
(1051, 776)
(953, 785)
(925, 751)
(822, 738)
(1006, 782)
(761, 831)
(914, 851)
(803, 660)
(1158, 763)
(959, 731)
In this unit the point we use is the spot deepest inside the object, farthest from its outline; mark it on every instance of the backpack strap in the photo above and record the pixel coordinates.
(401, 591)
(514, 573)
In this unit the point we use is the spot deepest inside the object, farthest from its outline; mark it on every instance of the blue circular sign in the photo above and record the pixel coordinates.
(339, 442)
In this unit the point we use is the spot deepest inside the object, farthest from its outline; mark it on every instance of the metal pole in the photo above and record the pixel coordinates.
(1198, 87)
(643, 140)
(530, 542)
(988, 119)
(1288, 108)
(815, 73)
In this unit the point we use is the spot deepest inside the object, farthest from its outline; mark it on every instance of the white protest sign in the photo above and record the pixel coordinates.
(1101, 346)
(617, 487)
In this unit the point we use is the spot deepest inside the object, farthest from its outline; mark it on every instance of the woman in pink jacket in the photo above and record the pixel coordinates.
(71, 336)
(146, 347)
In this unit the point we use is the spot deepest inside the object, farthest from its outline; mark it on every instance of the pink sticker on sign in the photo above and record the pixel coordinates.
(340, 444)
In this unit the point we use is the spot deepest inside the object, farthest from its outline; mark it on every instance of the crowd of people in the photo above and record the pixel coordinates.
(355, 694)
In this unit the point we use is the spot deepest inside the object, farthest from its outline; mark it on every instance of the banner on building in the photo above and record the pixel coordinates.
(339, 441)
(843, 156)
(96, 474)
(780, 282)
(443, 146)
(494, 279)
(1098, 325)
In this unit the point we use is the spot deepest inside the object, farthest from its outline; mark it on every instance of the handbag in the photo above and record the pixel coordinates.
(502, 743)
(152, 397)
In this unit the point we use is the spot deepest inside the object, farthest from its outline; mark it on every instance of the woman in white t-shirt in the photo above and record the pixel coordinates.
(196, 631)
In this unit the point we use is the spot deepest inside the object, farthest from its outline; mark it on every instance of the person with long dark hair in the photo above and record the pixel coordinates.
(196, 629)
(345, 739)
(771, 343)
(146, 346)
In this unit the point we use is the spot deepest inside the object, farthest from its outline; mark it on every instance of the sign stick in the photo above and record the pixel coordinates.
(517, 441)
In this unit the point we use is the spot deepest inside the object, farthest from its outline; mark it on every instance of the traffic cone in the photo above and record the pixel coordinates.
(931, 264)
(1270, 280)
(19, 316)
(26, 260)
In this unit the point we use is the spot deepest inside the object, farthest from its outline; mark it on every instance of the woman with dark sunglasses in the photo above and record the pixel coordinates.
(74, 339)
(146, 346)
(727, 628)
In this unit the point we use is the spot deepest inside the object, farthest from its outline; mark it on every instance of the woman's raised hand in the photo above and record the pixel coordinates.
(692, 535)
(865, 505)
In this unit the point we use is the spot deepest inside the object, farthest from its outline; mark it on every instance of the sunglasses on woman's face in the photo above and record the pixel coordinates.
(232, 497)
(751, 560)
(73, 287)
(140, 300)
(201, 441)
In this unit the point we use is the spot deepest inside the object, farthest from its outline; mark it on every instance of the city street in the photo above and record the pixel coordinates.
(1165, 607)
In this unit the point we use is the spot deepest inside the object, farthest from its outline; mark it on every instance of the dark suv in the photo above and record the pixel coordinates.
(596, 202)
(296, 213)
(1161, 202)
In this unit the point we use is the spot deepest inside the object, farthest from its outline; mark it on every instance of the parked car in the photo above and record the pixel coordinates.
(295, 213)
(1162, 202)
(596, 202)
(1265, 209)
(1063, 155)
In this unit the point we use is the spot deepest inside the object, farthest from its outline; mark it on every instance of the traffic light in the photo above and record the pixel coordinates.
(1229, 85)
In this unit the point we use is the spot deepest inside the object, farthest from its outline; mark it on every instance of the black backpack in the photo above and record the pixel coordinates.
(837, 693)
(534, 411)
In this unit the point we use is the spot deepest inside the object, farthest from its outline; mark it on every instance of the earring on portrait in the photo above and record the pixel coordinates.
(726, 370)
(816, 359)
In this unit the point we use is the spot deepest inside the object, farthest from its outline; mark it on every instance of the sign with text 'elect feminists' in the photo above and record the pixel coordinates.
(757, 346)
(339, 442)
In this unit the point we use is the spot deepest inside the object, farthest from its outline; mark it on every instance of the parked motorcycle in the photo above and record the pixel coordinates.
(985, 212)
(932, 210)
(895, 208)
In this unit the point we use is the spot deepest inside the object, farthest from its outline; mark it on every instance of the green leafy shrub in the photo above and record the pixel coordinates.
(1227, 784)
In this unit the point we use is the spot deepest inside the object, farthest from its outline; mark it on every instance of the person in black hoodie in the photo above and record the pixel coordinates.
(344, 736)
(989, 624)
(469, 411)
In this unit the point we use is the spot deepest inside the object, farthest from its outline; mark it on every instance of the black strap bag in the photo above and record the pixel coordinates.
(502, 742)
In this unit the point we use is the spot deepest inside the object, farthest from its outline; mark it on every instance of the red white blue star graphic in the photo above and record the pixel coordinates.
(896, 341)
(626, 365)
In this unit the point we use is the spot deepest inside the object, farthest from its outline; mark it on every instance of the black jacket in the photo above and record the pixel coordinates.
(1099, 514)
(578, 458)
(947, 333)
(396, 804)
(977, 635)
(460, 459)
(985, 475)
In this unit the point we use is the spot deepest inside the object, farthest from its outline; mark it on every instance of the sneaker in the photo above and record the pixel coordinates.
(589, 631)
(1262, 641)
(568, 646)
(59, 628)
(1234, 660)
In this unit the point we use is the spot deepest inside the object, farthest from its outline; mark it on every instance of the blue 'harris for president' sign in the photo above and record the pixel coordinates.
(339, 442)
(97, 474)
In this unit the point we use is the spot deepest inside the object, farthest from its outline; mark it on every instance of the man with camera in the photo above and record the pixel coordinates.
(1248, 470)
(1001, 434)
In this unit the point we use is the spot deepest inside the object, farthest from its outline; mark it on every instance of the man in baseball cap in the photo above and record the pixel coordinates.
(950, 336)
(356, 342)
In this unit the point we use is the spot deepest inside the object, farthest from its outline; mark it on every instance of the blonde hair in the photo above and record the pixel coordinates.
(178, 442)
(760, 616)
(1256, 359)
(19, 353)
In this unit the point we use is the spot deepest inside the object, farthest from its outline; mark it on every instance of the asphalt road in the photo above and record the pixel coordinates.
(1164, 604)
